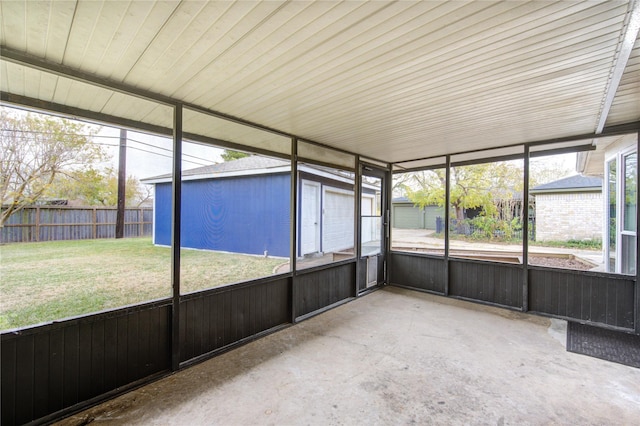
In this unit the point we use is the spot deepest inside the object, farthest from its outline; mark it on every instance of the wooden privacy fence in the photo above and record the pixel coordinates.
(58, 223)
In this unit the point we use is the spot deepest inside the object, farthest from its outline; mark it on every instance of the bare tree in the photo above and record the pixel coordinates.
(34, 150)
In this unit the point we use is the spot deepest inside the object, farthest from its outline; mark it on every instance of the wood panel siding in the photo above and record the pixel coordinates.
(320, 288)
(604, 299)
(495, 283)
(49, 368)
(419, 272)
(217, 318)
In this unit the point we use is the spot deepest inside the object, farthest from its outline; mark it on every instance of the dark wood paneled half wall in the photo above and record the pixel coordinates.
(597, 298)
(52, 367)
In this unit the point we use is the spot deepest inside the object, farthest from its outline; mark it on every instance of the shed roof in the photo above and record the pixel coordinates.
(254, 165)
(393, 81)
(401, 200)
(576, 183)
(252, 162)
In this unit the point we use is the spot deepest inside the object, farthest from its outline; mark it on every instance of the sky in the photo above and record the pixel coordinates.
(149, 155)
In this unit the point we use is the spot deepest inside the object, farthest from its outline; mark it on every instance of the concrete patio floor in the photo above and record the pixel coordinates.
(392, 357)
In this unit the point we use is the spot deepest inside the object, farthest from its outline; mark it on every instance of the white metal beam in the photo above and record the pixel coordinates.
(628, 39)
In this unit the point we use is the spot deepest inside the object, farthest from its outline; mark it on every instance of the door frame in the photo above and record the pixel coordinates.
(365, 262)
(318, 217)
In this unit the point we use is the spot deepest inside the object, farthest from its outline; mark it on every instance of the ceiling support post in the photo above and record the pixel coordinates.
(175, 237)
(525, 232)
(447, 221)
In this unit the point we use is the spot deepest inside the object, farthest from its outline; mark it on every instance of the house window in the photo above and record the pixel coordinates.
(612, 198)
(622, 177)
(629, 211)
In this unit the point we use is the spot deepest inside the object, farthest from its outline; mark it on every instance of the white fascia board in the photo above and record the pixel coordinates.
(235, 173)
(255, 172)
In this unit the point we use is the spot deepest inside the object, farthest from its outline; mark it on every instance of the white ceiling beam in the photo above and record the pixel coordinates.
(628, 39)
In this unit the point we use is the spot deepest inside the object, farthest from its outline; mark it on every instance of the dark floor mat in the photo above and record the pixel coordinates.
(623, 348)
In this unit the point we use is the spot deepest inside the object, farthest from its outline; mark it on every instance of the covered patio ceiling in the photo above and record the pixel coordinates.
(392, 81)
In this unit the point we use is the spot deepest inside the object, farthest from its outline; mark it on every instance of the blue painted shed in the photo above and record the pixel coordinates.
(243, 206)
(240, 206)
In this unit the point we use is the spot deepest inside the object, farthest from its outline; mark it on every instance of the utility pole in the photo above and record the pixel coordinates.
(122, 181)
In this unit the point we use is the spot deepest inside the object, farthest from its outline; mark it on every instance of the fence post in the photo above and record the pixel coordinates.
(140, 222)
(95, 223)
(122, 182)
(38, 224)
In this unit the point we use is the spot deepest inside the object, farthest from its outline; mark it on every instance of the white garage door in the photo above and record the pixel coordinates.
(338, 216)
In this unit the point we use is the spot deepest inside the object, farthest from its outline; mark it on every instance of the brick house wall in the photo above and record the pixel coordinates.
(569, 216)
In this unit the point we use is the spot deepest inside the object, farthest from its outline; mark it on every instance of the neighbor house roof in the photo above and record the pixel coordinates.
(576, 183)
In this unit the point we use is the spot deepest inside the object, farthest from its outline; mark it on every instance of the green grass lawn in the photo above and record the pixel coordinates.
(48, 281)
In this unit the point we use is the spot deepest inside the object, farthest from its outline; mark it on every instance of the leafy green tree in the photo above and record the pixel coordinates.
(93, 187)
(472, 187)
(89, 186)
(231, 155)
(35, 150)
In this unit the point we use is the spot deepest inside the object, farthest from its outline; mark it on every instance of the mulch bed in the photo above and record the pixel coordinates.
(559, 262)
(535, 260)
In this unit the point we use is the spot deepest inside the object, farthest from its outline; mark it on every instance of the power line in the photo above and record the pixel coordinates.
(101, 136)
(160, 154)
(166, 149)
(115, 137)
(206, 160)
(170, 156)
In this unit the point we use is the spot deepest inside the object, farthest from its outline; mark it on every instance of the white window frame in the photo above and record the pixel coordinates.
(619, 158)
(622, 211)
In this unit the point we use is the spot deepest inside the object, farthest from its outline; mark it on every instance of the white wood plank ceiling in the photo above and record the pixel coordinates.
(389, 80)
